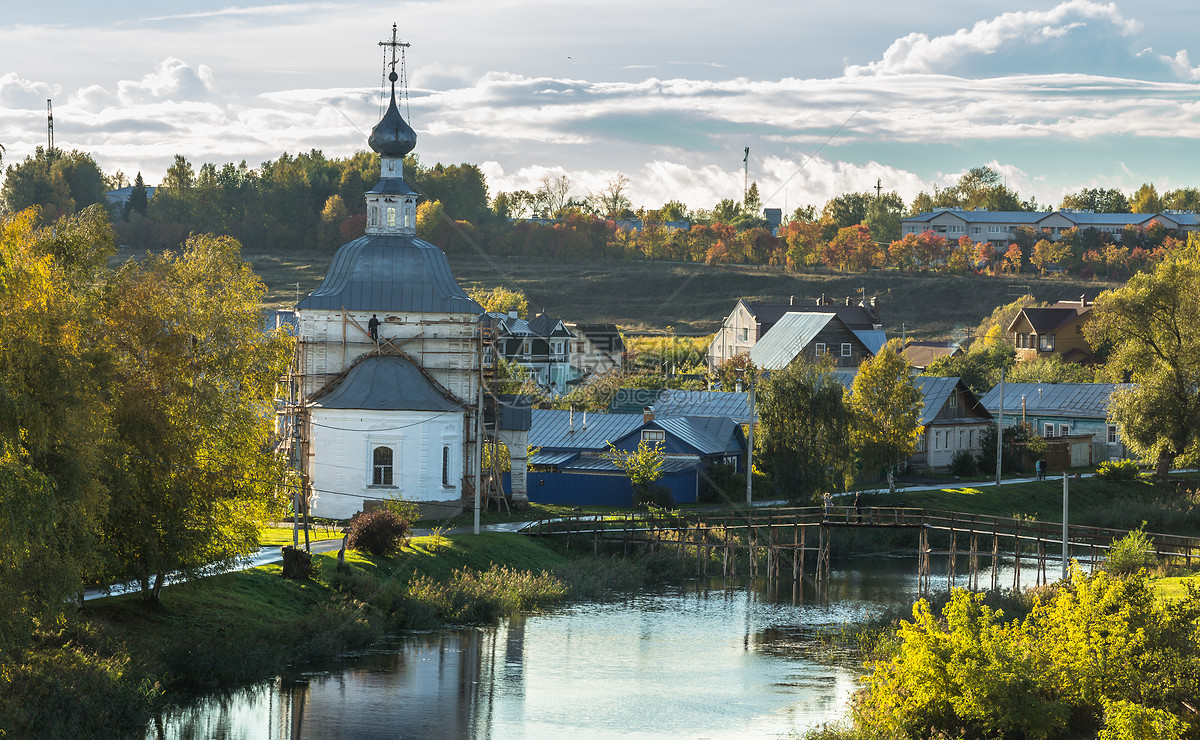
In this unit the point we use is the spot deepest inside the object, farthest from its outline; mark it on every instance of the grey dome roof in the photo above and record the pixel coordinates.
(392, 136)
(390, 272)
(387, 383)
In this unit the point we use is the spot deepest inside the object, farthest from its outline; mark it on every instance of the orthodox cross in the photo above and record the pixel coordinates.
(395, 44)
(878, 188)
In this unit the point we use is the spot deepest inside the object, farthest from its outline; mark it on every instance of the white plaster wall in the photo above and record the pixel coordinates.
(341, 457)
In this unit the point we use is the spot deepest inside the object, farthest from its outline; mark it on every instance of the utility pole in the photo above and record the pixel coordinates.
(878, 187)
(745, 175)
(1066, 485)
(49, 127)
(1000, 429)
(750, 447)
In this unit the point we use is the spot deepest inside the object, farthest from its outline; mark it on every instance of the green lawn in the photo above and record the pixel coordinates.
(1174, 588)
(272, 536)
(531, 513)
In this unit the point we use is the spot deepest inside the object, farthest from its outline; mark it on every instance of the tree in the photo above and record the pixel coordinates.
(752, 206)
(612, 201)
(1099, 200)
(885, 406)
(1150, 328)
(883, 217)
(138, 198)
(804, 430)
(848, 209)
(979, 368)
(643, 466)
(553, 196)
(1050, 370)
(501, 300)
(1146, 200)
(192, 385)
(59, 183)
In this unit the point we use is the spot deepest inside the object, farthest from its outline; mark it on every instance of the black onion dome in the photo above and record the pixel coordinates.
(392, 136)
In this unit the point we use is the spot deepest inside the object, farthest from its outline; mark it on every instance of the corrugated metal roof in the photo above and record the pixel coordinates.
(631, 400)
(874, 339)
(935, 391)
(708, 435)
(855, 316)
(551, 458)
(1082, 400)
(726, 404)
(552, 429)
(997, 217)
(790, 335)
(386, 383)
(390, 272)
(1104, 219)
(602, 464)
(1050, 318)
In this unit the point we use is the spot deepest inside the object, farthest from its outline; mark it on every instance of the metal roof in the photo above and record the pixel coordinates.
(1103, 219)
(556, 429)
(1082, 400)
(727, 404)
(996, 217)
(551, 458)
(386, 383)
(790, 335)
(854, 316)
(1049, 318)
(709, 435)
(390, 272)
(606, 337)
(873, 339)
(630, 400)
(602, 464)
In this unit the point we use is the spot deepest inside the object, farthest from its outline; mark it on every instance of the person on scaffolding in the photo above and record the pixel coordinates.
(373, 328)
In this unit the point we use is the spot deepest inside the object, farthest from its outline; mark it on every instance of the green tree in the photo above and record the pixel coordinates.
(643, 466)
(979, 368)
(885, 406)
(59, 183)
(1050, 370)
(1150, 328)
(883, 217)
(848, 209)
(804, 430)
(193, 378)
(1146, 200)
(138, 200)
(501, 300)
(1100, 200)
(611, 201)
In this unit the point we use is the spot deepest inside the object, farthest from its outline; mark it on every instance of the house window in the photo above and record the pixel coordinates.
(1047, 430)
(953, 400)
(744, 334)
(1112, 434)
(445, 467)
(820, 348)
(381, 466)
(845, 349)
(1064, 430)
(937, 440)
(1046, 343)
(391, 215)
(653, 435)
(921, 440)
(960, 437)
(971, 438)
(556, 348)
(526, 348)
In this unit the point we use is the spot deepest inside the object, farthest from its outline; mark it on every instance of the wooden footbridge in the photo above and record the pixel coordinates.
(782, 539)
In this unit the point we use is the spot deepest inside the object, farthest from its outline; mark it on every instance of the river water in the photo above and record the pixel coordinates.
(701, 660)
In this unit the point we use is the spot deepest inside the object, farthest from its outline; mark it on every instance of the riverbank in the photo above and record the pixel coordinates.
(118, 660)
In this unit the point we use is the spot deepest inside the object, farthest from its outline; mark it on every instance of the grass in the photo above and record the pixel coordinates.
(533, 512)
(1173, 588)
(632, 294)
(277, 536)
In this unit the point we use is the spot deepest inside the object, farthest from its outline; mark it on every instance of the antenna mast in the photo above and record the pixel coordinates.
(745, 175)
(49, 127)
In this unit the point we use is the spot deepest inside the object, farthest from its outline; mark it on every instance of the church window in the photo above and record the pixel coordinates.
(374, 215)
(446, 467)
(408, 216)
(391, 215)
(381, 473)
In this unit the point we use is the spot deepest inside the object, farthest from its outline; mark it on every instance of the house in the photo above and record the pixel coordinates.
(953, 419)
(598, 349)
(541, 345)
(923, 354)
(389, 367)
(814, 336)
(1055, 330)
(726, 404)
(1001, 227)
(749, 322)
(572, 462)
(118, 200)
(1055, 410)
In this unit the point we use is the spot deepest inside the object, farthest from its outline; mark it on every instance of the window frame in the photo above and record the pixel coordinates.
(819, 349)
(654, 435)
(383, 474)
(1047, 430)
(847, 349)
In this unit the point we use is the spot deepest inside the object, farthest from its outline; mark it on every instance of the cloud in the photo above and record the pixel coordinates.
(918, 53)
(173, 79)
(18, 92)
(1181, 65)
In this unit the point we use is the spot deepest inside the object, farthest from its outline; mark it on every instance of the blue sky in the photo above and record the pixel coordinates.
(828, 96)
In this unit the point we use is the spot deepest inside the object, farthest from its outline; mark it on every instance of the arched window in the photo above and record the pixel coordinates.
(381, 471)
(446, 466)
(374, 215)
(408, 216)
(391, 215)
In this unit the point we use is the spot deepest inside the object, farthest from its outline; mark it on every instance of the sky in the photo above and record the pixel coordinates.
(830, 97)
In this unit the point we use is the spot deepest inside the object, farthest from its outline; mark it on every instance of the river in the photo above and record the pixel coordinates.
(695, 661)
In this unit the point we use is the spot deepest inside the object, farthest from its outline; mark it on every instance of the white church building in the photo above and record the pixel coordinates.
(389, 358)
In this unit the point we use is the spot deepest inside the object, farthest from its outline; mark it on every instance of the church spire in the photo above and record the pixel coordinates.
(392, 203)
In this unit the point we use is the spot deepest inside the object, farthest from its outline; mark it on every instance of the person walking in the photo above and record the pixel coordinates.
(858, 507)
(373, 328)
(828, 499)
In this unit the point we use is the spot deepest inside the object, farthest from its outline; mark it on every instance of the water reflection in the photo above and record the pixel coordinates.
(709, 659)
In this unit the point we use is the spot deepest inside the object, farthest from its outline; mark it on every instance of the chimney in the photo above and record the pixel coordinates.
(585, 421)
(848, 301)
(647, 414)
(512, 313)
(1083, 301)
(792, 300)
(821, 300)
(571, 421)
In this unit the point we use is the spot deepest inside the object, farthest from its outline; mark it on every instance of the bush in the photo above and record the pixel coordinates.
(652, 494)
(403, 508)
(1118, 470)
(1124, 720)
(378, 532)
(1130, 554)
(964, 463)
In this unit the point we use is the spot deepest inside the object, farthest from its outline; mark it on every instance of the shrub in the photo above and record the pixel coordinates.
(403, 508)
(964, 463)
(1118, 470)
(1130, 553)
(653, 494)
(1124, 720)
(378, 532)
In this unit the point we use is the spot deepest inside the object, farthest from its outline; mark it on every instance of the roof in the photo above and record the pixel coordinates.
(1083, 400)
(631, 400)
(936, 391)
(854, 317)
(709, 435)
(544, 326)
(995, 217)
(556, 429)
(726, 404)
(1049, 319)
(606, 337)
(392, 136)
(923, 354)
(872, 339)
(1090, 218)
(787, 339)
(386, 383)
(602, 463)
(390, 272)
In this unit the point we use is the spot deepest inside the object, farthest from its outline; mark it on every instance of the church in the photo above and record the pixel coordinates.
(389, 359)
